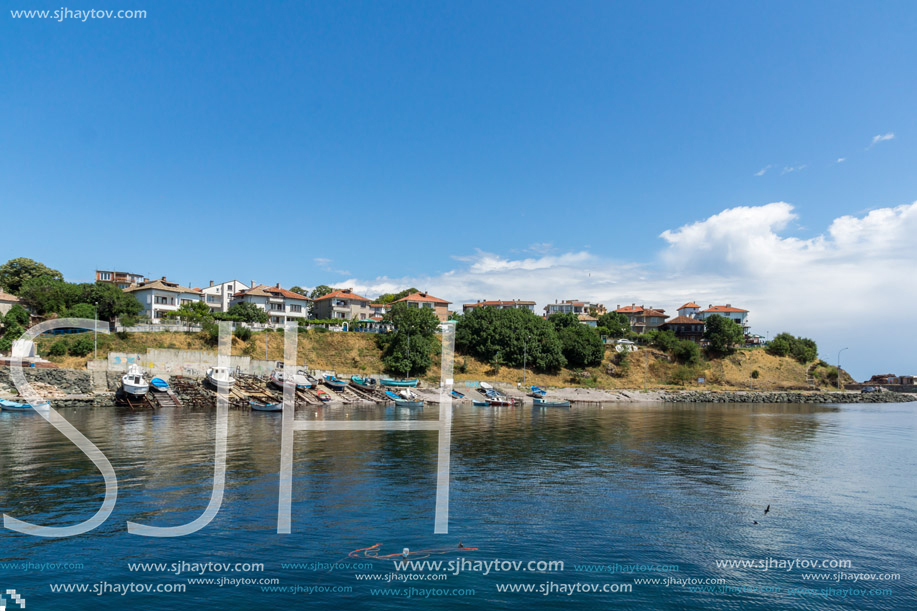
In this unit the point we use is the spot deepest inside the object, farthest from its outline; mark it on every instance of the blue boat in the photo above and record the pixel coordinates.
(364, 383)
(545, 403)
(258, 406)
(480, 403)
(335, 383)
(402, 402)
(400, 383)
(457, 395)
(538, 392)
(159, 384)
(12, 406)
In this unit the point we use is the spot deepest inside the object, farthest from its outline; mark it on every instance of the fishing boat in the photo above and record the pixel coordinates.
(322, 395)
(480, 403)
(538, 392)
(335, 383)
(260, 406)
(403, 402)
(547, 403)
(457, 395)
(159, 385)
(219, 377)
(133, 384)
(364, 383)
(300, 378)
(12, 406)
(501, 401)
(400, 383)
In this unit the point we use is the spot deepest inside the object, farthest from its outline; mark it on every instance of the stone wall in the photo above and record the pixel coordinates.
(703, 396)
(65, 381)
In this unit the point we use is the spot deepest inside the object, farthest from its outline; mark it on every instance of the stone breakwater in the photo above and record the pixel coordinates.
(703, 396)
(50, 382)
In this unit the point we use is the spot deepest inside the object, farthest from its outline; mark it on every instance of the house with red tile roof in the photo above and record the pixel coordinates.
(689, 309)
(280, 304)
(161, 296)
(739, 315)
(642, 318)
(7, 301)
(516, 304)
(219, 296)
(421, 299)
(574, 306)
(341, 304)
(685, 327)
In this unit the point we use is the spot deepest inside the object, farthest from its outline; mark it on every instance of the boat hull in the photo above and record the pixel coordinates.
(265, 407)
(400, 383)
(159, 385)
(543, 403)
(12, 406)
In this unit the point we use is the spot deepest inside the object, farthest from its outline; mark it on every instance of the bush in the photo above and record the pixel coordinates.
(243, 333)
(755, 374)
(683, 375)
(122, 335)
(802, 349)
(17, 315)
(686, 351)
(6, 344)
(58, 348)
(81, 347)
(81, 310)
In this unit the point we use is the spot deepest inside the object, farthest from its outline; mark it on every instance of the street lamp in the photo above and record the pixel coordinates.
(525, 338)
(839, 368)
(751, 369)
(95, 330)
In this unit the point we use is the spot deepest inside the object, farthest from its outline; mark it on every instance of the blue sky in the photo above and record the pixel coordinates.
(471, 147)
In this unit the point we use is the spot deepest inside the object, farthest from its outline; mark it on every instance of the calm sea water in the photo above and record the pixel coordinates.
(627, 484)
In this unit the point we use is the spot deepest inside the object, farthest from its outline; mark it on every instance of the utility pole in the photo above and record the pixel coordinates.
(95, 331)
(839, 368)
(645, 367)
(751, 369)
(524, 355)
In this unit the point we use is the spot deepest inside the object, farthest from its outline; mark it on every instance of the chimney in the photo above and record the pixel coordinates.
(728, 305)
(278, 285)
(253, 284)
(211, 283)
(163, 278)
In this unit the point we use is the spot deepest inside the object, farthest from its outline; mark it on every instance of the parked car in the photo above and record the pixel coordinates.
(870, 389)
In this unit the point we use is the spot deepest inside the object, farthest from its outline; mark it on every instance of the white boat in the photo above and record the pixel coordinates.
(300, 378)
(219, 377)
(132, 383)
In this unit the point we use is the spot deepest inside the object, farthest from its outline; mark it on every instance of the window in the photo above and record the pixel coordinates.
(296, 308)
(104, 275)
(277, 307)
(161, 300)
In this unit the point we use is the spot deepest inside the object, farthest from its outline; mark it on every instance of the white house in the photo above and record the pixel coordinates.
(280, 304)
(689, 310)
(573, 306)
(219, 296)
(727, 311)
(501, 305)
(7, 301)
(160, 296)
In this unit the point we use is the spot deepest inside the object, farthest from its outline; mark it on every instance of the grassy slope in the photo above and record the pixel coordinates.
(357, 352)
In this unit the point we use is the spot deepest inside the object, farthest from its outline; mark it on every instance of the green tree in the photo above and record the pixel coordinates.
(320, 291)
(581, 345)
(45, 295)
(616, 324)
(687, 352)
(18, 315)
(299, 291)
(193, 313)
(724, 334)
(516, 335)
(247, 312)
(82, 346)
(408, 350)
(113, 302)
(561, 321)
(81, 310)
(15, 272)
(802, 349)
(392, 297)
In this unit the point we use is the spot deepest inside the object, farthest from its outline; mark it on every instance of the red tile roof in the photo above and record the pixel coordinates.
(684, 320)
(721, 308)
(426, 297)
(630, 309)
(690, 304)
(497, 303)
(270, 291)
(343, 294)
(653, 313)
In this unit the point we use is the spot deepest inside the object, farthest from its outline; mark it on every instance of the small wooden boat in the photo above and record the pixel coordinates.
(538, 392)
(260, 406)
(12, 406)
(133, 384)
(501, 401)
(322, 395)
(159, 385)
(219, 377)
(480, 403)
(546, 403)
(402, 402)
(400, 383)
(335, 383)
(300, 378)
(364, 383)
(457, 395)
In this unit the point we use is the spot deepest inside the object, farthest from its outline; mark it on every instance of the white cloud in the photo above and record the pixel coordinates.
(325, 265)
(791, 168)
(763, 170)
(841, 159)
(881, 138)
(841, 286)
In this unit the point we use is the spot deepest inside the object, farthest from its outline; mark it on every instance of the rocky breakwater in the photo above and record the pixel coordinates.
(706, 396)
(63, 387)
